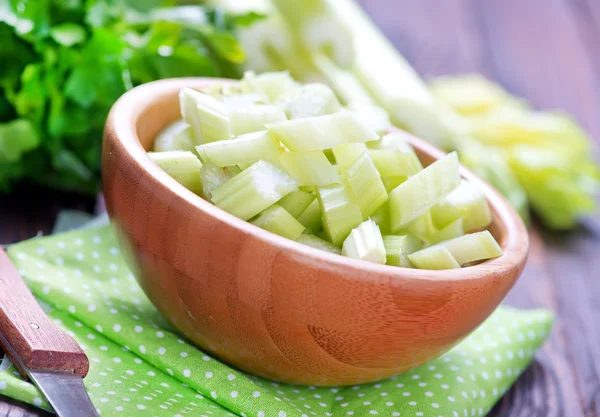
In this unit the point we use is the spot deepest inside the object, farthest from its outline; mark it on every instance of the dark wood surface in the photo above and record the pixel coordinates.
(544, 50)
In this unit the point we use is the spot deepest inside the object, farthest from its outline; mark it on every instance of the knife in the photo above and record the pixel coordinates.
(41, 352)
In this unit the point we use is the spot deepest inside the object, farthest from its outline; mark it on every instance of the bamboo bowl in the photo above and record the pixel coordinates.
(273, 307)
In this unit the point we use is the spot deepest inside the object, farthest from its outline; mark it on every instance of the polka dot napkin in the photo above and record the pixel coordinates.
(139, 365)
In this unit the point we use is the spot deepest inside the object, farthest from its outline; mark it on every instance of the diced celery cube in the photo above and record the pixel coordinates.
(365, 182)
(207, 117)
(340, 213)
(423, 190)
(296, 202)
(318, 243)
(311, 100)
(277, 220)
(275, 85)
(392, 182)
(382, 218)
(244, 150)
(175, 137)
(309, 168)
(213, 176)
(397, 249)
(365, 243)
(393, 163)
(253, 190)
(248, 118)
(434, 258)
(311, 217)
(373, 116)
(347, 154)
(183, 166)
(450, 231)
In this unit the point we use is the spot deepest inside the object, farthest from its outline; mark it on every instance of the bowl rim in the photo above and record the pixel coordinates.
(123, 120)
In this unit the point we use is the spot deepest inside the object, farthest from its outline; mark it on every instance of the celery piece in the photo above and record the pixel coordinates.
(297, 202)
(365, 243)
(253, 190)
(243, 150)
(207, 117)
(450, 231)
(244, 99)
(391, 163)
(275, 85)
(311, 217)
(434, 258)
(329, 154)
(392, 182)
(277, 220)
(397, 249)
(468, 202)
(472, 247)
(248, 118)
(311, 100)
(322, 132)
(213, 176)
(318, 243)
(421, 227)
(373, 116)
(347, 154)
(395, 142)
(423, 190)
(309, 168)
(175, 137)
(382, 218)
(183, 166)
(365, 182)
(340, 214)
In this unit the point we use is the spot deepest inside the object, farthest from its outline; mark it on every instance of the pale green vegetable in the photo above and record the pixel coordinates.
(322, 132)
(366, 185)
(175, 137)
(365, 243)
(275, 85)
(382, 218)
(467, 202)
(311, 217)
(470, 248)
(311, 100)
(309, 168)
(213, 176)
(183, 166)
(248, 118)
(277, 220)
(253, 190)
(243, 150)
(207, 116)
(339, 212)
(297, 202)
(373, 116)
(393, 163)
(397, 249)
(434, 258)
(345, 155)
(392, 182)
(450, 231)
(423, 190)
(318, 243)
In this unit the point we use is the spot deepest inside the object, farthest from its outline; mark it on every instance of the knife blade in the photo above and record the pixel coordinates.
(42, 353)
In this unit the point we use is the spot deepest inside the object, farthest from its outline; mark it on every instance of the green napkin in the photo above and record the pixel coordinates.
(140, 366)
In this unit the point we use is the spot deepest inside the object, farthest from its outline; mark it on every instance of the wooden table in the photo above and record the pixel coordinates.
(544, 50)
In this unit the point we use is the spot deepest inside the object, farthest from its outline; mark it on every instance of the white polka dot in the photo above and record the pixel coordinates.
(435, 405)
(256, 394)
(282, 413)
(233, 394)
(204, 358)
(438, 376)
(162, 350)
(117, 327)
(3, 384)
(45, 289)
(373, 412)
(183, 354)
(119, 408)
(104, 400)
(160, 335)
(208, 374)
(213, 394)
(406, 394)
(429, 394)
(187, 373)
(416, 376)
(383, 394)
(138, 329)
(113, 311)
(72, 309)
(444, 386)
(413, 403)
(141, 406)
(142, 348)
(460, 379)
(104, 348)
(79, 256)
(37, 401)
(231, 377)
(451, 399)
(261, 414)
(99, 328)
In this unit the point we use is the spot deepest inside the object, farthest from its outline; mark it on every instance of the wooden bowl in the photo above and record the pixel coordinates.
(273, 307)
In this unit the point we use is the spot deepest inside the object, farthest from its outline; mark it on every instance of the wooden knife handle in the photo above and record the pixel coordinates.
(36, 341)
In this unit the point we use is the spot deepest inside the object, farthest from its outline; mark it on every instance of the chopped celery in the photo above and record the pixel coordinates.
(243, 150)
(434, 258)
(213, 176)
(373, 116)
(365, 243)
(365, 182)
(175, 137)
(297, 202)
(309, 168)
(347, 154)
(393, 163)
(311, 100)
(423, 190)
(248, 118)
(472, 247)
(207, 116)
(244, 99)
(183, 166)
(467, 202)
(322, 132)
(275, 85)
(339, 212)
(253, 190)
(382, 218)
(318, 243)
(397, 249)
(450, 231)
(395, 141)
(392, 182)
(311, 217)
(422, 227)
(277, 220)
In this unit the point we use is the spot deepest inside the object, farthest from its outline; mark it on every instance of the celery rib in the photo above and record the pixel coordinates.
(277, 220)
(339, 212)
(365, 243)
(297, 202)
(365, 182)
(318, 243)
(175, 137)
(397, 249)
(434, 258)
(243, 150)
(309, 168)
(207, 116)
(183, 166)
(311, 217)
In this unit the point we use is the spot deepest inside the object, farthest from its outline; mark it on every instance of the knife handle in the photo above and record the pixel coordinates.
(32, 338)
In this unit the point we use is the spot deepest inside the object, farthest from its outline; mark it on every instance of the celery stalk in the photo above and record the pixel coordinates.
(253, 190)
(309, 168)
(392, 182)
(366, 185)
(311, 100)
(183, 166)
(322, 132)
(397, 249)
(175, 137)
(365, 243)
(213, 176)
(423, 190)
(248, 118)
(275, 85)
(422, 227)
(467, 202)
(339, 212)
(394, 163)
(207, 117)
(382, 218)
(318, 243)
(297, 202)
(450, 231)
(434, 258)
(395, 142)
(311, 217)
(470, 248)
(243, 150)
(347, 154)
(277, 220)
(373, 116)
